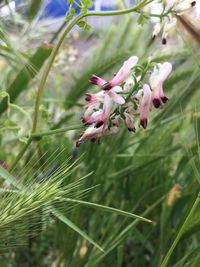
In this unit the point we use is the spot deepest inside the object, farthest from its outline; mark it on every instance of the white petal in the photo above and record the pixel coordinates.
(116, 98)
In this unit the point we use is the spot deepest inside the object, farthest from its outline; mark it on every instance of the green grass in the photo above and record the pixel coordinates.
(128, 200)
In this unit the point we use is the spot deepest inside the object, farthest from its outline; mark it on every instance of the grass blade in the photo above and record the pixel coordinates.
(11, 179)
(74, 227)
(109, 209)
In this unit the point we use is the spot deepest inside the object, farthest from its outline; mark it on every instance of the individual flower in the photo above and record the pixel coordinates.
(145, 105)
(108, 99)
(121, 76)
(93, 133)
(129, 121)
(157, 78)
(94, 102)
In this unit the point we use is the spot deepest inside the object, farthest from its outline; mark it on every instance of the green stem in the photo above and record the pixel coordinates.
(170, 251)
(48, 67)
(136, 8)
(57, 131)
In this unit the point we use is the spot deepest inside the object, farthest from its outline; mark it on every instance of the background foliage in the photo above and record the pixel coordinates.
(56, 205)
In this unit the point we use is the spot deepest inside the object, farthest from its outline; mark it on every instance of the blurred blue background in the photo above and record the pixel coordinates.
(58, 8)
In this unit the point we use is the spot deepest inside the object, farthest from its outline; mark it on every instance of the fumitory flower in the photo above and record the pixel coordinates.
(108, 99)
(117, 102)
(157, 78)
(122, 74)
(145, 105)
(93, 133)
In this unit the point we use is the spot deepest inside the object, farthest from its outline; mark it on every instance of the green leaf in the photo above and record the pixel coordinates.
(108, 209)
(83, 24)
(65, 220)
(87, 3)
(70, 14)
(142, 19)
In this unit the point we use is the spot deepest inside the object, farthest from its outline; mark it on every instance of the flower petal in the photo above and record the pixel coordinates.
(116, 97)
(145, 105)
(97, 80)
(90, 133)
(122, 74)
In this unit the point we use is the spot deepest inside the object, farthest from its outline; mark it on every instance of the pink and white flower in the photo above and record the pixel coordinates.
(108, 99)
(107, 108)
(145, 105)
(121, 76)
(93, 133)
(157, 78)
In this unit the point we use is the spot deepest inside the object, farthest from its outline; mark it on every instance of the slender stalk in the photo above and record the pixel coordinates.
(170, 251)
(57, 131)
(48, 67)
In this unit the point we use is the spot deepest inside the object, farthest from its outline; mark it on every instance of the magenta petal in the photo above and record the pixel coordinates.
(143, 123)
(97, 80)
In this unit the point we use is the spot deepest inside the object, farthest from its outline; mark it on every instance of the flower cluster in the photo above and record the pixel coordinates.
(173, 9)
(123, 99)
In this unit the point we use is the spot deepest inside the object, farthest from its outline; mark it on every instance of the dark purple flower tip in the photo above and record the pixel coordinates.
(164, 99)
(93, 79)
(156, 102)
(193, 3)
(143, 123)
(164, 41)
(132, 129)
(88, 97)
(99, 124)
(83, 120)
(78, 143)
(107, 86)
